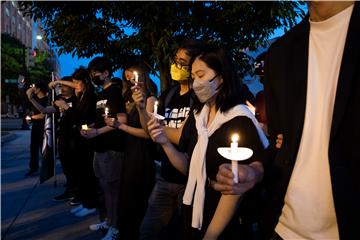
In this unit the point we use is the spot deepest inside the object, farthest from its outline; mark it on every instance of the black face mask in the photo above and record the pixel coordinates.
(98, 81)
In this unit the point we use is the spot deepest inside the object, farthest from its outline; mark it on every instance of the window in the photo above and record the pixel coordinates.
(7, 12)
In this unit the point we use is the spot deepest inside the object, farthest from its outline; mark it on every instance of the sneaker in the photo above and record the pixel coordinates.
(63, 197)
(112, 234)
(99, 226)
(75, 201)
(85, 211)
(76, 209)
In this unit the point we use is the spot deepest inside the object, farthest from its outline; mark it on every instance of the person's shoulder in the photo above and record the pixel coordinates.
(289, 37)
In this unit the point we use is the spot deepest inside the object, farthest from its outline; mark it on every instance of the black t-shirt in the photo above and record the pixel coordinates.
(111, 98)
(44, 101)
(175, 113)
(221, 138)
(66, 119)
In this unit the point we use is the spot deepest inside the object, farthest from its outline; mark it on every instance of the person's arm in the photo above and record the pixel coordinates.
(178, 159)
(139, 132)
(38, 106)
(139, 98)
(66, 83)
(38, 116)
(224, 212)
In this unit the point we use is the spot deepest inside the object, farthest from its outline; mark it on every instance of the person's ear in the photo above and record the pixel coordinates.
(221, 80)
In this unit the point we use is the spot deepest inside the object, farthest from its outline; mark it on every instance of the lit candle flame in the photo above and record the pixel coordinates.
(106, 111)
(235, 137)
(156, 107)
(136, 77)
(84, 127)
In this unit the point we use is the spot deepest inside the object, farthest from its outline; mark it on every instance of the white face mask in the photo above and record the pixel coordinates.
(205, 90)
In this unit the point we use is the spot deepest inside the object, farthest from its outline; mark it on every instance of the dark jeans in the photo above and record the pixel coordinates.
(37, 135)
(164, 204)
(108, 167)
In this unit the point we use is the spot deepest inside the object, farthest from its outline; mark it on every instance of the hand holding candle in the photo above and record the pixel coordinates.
(233, 148)
(235, 154)
(106, 112)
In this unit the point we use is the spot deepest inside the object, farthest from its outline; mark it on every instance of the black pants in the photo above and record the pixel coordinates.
(68, 161)
(88, 184)
(37, 134)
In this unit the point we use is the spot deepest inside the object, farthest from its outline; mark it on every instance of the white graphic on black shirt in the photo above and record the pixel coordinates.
(175, 116)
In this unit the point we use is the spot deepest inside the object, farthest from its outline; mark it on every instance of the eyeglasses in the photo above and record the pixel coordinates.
(180, 64)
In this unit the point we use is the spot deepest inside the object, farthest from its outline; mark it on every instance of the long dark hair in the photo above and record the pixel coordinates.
(231, 91)
(149, 86)
(82, 74)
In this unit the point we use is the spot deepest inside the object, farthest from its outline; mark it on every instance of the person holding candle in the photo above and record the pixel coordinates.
(81, 113)
(36, 94)
(313, 187)
(139, 166)
(162, 219)
(219, 112)
(109, 142)
(65, 136)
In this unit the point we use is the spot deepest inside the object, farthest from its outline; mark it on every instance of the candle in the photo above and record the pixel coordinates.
(136, 77)
(233, 148)
(32, 85)
(106, 112)
(84, 127)
(156, 107)
(28, 118)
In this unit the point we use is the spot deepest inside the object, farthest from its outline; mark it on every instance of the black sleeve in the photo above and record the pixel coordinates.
(116, 101)
(272, 111)
(188, 137)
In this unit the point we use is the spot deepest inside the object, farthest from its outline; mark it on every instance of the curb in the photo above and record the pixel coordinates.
(7, 138)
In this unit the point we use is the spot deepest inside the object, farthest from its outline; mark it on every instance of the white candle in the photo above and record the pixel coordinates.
(106, 112)
(136, 77)
(156, 107)
(32, 85)
(234, 164)
(84, 127)
(28, 118)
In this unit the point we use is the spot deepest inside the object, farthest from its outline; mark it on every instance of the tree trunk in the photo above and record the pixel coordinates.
(164, 77)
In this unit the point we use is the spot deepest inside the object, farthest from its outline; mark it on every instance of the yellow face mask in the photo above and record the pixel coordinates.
(178, 74)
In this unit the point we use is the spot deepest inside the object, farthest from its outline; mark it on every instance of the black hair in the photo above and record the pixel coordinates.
(100, 64)
(150, 87)
(41, 85)
(231, 91)
(82, 74)
(67, 78)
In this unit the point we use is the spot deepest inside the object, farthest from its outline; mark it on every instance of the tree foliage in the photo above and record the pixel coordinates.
(125, 31)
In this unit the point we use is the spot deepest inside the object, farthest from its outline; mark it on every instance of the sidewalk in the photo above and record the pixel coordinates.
(27, 208)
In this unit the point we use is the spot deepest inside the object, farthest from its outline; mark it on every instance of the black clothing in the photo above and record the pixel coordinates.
(111, 98)
(220, 138)
(138, 179)
(84, 113)
(67, 144)
(285, 106)
(37, 134)
(175, 113)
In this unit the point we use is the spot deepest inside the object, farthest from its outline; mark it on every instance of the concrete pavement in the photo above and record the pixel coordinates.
(27, 208)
